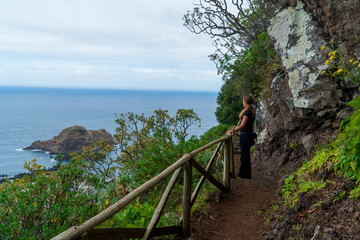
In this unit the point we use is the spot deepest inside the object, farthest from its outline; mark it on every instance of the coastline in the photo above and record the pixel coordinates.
(4, 177)
(30, 114)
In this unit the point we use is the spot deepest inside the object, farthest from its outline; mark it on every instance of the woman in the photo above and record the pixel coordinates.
(247, 117)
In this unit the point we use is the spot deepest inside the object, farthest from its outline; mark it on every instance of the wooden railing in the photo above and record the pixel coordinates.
(187, 162)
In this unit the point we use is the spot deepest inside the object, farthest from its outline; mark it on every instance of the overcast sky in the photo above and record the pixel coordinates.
(103, 44)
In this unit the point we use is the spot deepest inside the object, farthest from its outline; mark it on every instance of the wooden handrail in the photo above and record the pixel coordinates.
(209, 145)
(77, 231)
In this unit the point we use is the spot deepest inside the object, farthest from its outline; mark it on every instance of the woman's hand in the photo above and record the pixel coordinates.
(229, 132)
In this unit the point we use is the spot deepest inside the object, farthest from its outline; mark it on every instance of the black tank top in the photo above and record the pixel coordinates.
(250, 122)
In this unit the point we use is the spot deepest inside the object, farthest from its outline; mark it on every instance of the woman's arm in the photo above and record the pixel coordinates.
(242, 125)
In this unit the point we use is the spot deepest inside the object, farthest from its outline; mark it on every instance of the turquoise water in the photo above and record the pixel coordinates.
(30, 114)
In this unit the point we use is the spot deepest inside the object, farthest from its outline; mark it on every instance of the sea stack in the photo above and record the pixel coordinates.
(71, 139)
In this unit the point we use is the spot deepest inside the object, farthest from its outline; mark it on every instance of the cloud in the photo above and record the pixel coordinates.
(129, 42)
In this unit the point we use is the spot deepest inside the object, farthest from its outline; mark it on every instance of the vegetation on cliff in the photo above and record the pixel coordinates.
(341, 157)
(244, 53)
(45, 204)
(321, 198)
(248, 74)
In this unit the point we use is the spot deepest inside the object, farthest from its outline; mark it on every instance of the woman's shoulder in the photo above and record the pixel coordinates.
(248, 113)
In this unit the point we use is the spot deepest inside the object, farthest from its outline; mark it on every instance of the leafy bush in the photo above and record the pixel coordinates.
(148, 145)
(45, 204)
(213, 133)
(138, 214)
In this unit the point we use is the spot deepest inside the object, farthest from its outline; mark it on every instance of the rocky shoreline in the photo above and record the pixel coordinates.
(71, 139)
(5, 177)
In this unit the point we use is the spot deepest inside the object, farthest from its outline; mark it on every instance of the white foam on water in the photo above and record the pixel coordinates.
(20, 150)
(36, 150)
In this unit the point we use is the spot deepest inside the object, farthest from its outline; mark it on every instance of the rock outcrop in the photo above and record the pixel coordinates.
(298, 40)
(303, 108)
(340, 20)
(71, 139)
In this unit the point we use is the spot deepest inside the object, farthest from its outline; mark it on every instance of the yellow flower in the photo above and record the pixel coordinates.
(322, 48)
(356, 62)
(351, 60)
(323, 72)
(340, 70)
(332, 58)
(327, 62)
(332, 53)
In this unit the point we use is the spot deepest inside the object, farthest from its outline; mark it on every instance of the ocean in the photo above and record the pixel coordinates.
(30, 114)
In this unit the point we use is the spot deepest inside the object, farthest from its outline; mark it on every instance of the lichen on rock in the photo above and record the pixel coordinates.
(300, 104)
(298, 40)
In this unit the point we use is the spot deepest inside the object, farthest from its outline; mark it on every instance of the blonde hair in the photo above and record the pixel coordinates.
(249, 101)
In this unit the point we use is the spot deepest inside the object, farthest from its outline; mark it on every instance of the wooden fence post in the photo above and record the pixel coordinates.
(187, 199)
(232, 163)
(226, 174)
(156, 217)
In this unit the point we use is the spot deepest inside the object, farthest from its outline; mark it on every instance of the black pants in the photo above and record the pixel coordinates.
(245, 144)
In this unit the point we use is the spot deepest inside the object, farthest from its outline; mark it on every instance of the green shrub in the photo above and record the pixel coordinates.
(45, 204)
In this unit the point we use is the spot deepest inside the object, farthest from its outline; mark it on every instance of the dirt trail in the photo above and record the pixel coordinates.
(236, 216)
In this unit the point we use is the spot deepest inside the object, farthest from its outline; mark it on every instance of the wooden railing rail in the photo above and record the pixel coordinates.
(187, 162)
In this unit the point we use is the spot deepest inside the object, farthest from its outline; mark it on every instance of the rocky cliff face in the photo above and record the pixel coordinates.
(339, 20)
(71, 139)
(303, 107)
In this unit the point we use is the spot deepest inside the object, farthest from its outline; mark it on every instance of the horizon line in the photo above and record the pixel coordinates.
(106, 89)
